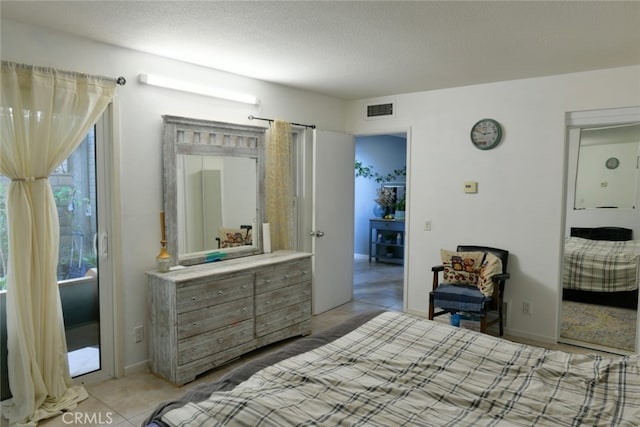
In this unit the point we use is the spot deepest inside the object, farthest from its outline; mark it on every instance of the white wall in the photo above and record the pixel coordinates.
(598, 185)
(520, 204)
(140, 121)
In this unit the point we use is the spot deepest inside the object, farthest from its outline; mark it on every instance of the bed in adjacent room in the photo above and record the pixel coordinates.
(391, 369)
(601, 266)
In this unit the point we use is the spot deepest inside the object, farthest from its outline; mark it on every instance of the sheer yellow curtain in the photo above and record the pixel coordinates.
(44, 115)
(279, 197)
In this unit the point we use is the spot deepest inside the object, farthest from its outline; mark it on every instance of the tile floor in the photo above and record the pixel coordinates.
(126, 402)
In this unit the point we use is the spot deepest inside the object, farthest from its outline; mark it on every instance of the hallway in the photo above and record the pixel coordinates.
(378, 284)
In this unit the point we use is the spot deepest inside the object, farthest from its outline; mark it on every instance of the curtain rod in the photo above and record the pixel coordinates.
(120, 81)
(271, 121)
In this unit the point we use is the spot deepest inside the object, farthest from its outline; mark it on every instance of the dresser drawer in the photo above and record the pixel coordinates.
(209, 292)
(189, 371)
(388, 225)
(203, 345)
(283, 297)
(213, 317)
(283, 275)
(283, 319)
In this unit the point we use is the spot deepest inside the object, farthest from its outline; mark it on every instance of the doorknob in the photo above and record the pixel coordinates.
(316, 233)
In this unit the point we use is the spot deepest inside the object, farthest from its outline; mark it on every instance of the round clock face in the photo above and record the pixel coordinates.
(612, 163)
(486, 134)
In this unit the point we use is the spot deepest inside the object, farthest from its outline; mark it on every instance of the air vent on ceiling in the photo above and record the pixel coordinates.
(380, 110)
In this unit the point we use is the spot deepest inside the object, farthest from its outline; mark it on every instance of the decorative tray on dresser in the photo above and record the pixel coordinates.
(203, 316)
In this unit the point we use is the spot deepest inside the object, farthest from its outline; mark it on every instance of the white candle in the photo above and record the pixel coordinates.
(266, 238)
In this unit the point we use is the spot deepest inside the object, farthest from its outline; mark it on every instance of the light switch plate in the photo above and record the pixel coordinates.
(470, 187)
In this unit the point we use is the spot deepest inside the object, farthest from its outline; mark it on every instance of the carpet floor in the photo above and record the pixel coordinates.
(606, 326)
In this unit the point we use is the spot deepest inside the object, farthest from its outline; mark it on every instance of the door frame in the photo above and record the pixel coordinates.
(108, 247)
(407, 222)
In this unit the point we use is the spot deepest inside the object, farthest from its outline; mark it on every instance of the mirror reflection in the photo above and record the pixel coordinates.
(398, 198)
(607, 172)
(218, 206)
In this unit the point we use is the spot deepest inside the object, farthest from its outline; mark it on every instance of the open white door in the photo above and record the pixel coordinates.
(332, 235)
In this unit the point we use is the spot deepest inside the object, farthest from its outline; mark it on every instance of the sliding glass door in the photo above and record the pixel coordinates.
(75, 192)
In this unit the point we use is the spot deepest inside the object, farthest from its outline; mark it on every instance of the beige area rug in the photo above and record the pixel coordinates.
(606, 326)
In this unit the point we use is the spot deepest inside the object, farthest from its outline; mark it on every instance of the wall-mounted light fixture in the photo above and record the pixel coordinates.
(168, 83)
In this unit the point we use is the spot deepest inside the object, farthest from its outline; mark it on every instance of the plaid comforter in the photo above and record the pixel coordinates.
(399, 370)
(603, 266)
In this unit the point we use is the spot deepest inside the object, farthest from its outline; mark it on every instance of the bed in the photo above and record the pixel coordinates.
(601, 266)
(391, 369)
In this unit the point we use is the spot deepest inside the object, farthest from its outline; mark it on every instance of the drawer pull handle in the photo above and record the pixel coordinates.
(286, 276)
(194, 324)
(267, 281)
(193, 298)
(219, 292)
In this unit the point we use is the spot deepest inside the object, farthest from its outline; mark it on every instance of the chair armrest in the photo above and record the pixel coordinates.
(436, 270)
(501, 276)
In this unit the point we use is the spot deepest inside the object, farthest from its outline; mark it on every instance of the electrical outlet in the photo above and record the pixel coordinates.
(427, 225)
(527, 307)
(138, 333)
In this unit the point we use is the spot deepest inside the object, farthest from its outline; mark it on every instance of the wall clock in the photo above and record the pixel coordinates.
(612, 163)
(486, 134)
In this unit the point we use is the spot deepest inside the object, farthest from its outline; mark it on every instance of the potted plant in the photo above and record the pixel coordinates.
(400, 207)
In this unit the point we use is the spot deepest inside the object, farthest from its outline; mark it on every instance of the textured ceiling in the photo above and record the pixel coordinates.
(357, 49)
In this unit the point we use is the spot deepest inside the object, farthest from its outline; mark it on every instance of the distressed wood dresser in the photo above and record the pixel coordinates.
(202, 316)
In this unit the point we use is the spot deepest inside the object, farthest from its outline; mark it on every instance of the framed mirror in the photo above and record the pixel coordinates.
(213, 189)
(398, 191)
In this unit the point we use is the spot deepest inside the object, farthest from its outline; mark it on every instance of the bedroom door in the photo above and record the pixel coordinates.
(332, 222)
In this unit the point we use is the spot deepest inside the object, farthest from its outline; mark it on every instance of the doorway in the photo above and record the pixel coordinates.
(86, 266)
(75, 192)
(379, 242)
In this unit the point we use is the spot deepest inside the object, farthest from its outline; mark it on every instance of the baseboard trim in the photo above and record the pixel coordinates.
(592, 346)
(515, 333)
(417, 313)
(137, 368)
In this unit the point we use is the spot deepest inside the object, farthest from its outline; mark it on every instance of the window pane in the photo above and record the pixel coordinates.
(74, 190)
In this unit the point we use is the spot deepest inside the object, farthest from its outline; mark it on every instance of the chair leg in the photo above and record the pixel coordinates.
(500, 320)
(431, 309)
(483, 324)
